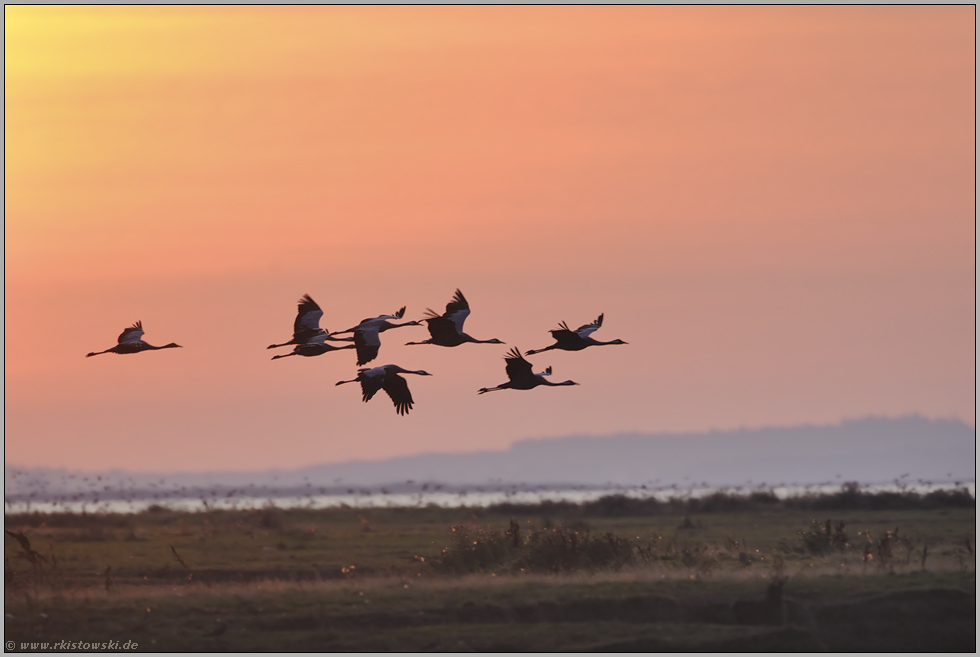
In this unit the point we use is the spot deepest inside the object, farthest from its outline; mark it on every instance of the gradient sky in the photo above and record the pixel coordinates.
(773, 205)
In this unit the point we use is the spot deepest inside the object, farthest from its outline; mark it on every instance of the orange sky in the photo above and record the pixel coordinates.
(773, 206)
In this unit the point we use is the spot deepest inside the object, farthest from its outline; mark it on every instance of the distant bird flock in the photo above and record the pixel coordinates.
(446, 330)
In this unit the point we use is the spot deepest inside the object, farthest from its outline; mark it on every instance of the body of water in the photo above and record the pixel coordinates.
(180, 501)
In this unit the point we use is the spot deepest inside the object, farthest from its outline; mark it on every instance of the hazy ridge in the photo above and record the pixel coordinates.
(867, 450)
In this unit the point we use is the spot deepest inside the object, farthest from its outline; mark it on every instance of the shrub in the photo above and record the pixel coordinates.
(556, 549)
(472, 551)
(268, 517)
(822, 539)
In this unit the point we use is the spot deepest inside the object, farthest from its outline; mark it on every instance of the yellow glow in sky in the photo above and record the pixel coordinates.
(772, 205)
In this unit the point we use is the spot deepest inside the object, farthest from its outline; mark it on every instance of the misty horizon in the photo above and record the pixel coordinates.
(869, 450)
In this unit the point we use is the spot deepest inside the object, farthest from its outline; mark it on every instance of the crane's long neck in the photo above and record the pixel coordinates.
(172, 345)
(96, 353)
(562, 383)
(388, 325)
(470, 338)
(538, 351)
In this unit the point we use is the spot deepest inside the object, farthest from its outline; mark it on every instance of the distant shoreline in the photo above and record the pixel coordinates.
(226, 499)
(875, 451)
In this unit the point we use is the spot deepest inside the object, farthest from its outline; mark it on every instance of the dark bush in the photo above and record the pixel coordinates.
(959, 499)
(268, 517)
(849, 498)
(821, 539)
(558, 549)
(475, 550)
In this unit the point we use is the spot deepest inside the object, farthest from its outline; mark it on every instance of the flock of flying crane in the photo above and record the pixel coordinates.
(446, 331)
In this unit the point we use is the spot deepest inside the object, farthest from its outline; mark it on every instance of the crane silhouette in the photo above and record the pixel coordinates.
(130, 342)
(386, 377)
(447, 329)
(577, 340)
(315, 346)
(522, 377)
(307, 324)
(367, 334)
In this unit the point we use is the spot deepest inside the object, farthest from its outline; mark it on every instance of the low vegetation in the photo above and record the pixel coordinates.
(615, 574)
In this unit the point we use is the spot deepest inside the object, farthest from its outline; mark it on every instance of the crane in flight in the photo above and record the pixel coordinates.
(367, 334)
(130, 341)
(576, 340)
(386, 377)
(521, 376)
(315, 346)
(307, 324)
(447, 329)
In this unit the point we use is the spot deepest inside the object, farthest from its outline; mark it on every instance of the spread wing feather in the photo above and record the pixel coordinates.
(368, 321)
(371, 382)
(563, 332)
(588, 329)
(458, 303)
(458, 310)
(441, 328)
(518, 369)
(307, 317)
(368, 342)
(132, 334)
(397, 389)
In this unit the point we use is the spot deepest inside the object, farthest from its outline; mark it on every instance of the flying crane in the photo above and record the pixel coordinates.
(522, 377)
(130, 342)
(577, 340)
(385, 377)
(447, 329)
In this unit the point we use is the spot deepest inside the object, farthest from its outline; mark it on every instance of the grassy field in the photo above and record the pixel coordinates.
(526, 579)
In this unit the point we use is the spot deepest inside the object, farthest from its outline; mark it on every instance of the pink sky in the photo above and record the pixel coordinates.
(773, 206)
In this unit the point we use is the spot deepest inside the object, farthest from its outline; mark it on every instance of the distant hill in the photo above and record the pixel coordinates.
(869, 450)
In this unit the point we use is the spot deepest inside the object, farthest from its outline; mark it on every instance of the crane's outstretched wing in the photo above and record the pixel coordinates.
(518, 369)
(368, 342)
(586, 330)
(371, 321)
(133, 334)
(458, 303)
(397, 389)
(563, 333)
(371, 381)
(440, 328)
(457, 310)
(307, 317)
